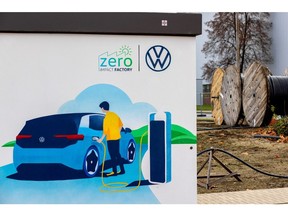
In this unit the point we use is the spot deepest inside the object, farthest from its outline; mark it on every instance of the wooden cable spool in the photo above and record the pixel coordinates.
(230, 96)
(255, 95)
(215, 94)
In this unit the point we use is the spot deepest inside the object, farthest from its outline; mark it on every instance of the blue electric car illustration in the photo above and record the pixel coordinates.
(69, 140)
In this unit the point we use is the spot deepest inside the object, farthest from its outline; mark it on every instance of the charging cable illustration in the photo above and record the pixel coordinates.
(120, 186)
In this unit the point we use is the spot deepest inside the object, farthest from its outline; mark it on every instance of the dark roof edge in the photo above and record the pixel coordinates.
(120, 23)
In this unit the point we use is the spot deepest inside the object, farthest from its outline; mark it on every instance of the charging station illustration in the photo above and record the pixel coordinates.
(159, 147)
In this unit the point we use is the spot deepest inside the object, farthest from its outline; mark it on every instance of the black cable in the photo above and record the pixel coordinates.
(278, 90)
(245, 163)
(223, 127)
(280, 86)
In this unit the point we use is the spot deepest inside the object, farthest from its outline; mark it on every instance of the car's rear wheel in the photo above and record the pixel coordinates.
(91, 162)
(131, 151)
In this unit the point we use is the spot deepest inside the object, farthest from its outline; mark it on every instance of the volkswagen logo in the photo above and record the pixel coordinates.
(158, 58)
(41, 139)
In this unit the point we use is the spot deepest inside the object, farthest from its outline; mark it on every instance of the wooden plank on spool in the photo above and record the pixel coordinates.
(255, 94)
(215, 96)
(230, 96)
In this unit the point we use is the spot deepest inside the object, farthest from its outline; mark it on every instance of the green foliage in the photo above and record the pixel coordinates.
(9, 144)
(179, 135)
(281, 126)
(137, 134)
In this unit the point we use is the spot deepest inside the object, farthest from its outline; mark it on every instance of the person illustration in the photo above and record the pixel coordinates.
(112, 126)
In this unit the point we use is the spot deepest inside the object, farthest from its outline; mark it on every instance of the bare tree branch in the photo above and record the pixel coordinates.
(254, 41)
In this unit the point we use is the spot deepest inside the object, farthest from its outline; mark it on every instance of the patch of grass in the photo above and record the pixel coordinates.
(204, 107)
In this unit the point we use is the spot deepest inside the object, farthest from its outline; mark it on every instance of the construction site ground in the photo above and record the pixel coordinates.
(267, 155)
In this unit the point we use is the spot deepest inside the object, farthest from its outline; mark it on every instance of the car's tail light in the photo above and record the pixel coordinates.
(70, 136)
(23, 136)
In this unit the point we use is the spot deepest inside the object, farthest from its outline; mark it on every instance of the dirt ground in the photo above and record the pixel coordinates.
(264, 154)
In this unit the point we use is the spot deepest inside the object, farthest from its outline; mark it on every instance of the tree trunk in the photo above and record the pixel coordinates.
(237, 42)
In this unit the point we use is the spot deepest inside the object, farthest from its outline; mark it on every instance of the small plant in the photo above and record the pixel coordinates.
(281, 126)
